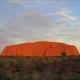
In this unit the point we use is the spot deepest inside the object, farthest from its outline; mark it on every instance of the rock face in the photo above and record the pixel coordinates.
(42, 48)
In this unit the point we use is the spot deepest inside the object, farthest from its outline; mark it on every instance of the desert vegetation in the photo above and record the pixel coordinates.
(40, 68)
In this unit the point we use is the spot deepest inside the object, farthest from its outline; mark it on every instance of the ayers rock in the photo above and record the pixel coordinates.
(42, 48)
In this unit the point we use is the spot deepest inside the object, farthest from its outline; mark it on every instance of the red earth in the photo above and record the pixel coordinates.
(42, 48)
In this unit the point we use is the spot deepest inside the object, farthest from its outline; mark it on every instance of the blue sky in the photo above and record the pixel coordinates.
(37, 20)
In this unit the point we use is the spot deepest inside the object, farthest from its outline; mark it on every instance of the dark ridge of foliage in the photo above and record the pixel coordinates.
(40, 68)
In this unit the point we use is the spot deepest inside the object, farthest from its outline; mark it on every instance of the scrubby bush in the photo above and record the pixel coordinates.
(40, 68)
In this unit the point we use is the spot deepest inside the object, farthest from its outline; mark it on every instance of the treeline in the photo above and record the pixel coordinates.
(40, 68)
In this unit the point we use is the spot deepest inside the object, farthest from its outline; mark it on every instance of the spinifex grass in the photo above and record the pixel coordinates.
(40, 68)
